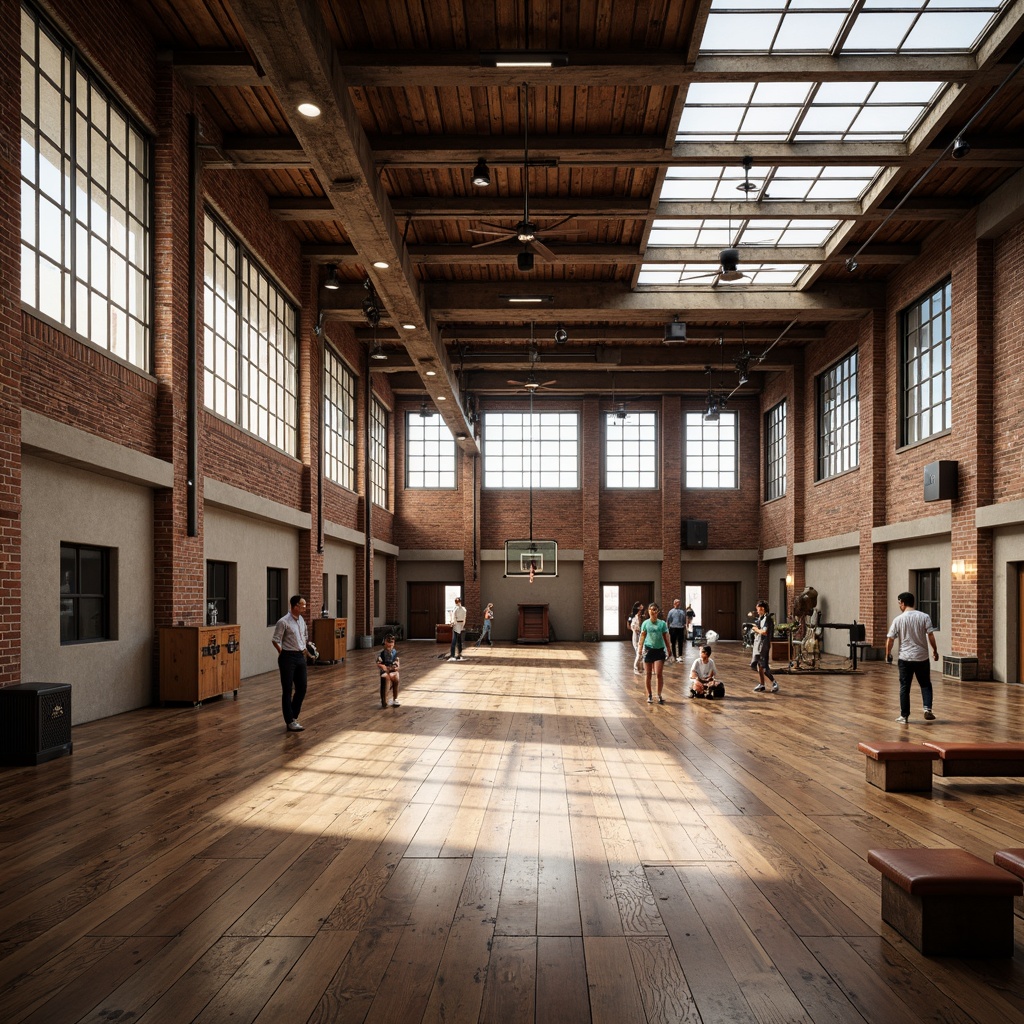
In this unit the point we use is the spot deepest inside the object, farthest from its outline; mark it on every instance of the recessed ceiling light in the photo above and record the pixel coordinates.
(309, 110)
(408, 327)
(523, 59)
(441, 398)
(381, 264)
(431, 373)
(527, 298)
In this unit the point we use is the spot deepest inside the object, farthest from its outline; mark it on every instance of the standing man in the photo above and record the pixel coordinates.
(915, 632)
(458, 624)
(290, 638)
(676, 620)
(764, 632)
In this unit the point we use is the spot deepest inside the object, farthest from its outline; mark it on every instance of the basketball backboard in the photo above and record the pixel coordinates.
(531, 558)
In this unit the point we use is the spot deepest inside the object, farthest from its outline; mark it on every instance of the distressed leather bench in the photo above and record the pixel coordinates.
(948, 902)
(1013, 861)
(898, 767)
(962, 760)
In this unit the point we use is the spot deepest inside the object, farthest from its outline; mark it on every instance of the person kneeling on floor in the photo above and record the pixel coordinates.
(387, 663)
(702, 677)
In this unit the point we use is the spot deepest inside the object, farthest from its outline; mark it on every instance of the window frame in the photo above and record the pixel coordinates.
(615, 479)
(928, 594)
(443, 439)
(97, 293)
(256, 357)
(532, 473)
(339, 444)
(74, 595)
(696, 418)
(216, 568)
(775, 451)
(378, 453)
(910, 412)
(834, 458)
(277, 590)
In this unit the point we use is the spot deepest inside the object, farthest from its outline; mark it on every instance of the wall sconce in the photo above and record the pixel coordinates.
(959, 569)
(789, 580)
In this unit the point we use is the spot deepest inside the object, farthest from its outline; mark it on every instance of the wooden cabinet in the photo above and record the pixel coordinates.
(199, 662)
(533, 624)
(443, 633)
(331, 639)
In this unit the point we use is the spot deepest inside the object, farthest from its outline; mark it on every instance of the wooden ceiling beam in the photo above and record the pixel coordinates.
(215, 68)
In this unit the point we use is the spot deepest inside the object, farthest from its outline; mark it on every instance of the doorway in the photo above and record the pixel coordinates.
(616, 601)
(714, 606)
(429, 604)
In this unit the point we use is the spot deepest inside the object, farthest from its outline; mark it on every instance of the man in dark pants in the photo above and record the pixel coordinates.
(290, 639)
(676, 620)
(915, 631)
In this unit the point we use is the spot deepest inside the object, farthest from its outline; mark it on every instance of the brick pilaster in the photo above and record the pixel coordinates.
(671, 496)
(590, 532)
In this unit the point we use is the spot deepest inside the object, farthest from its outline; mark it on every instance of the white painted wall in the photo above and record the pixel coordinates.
(1008, 555)
(928, 553)
(252, 546)
(64, 504)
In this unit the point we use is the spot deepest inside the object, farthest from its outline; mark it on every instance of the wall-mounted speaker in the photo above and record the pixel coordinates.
(694, 533)
(940, 481)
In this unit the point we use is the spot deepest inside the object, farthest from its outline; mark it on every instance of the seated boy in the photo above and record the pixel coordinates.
(387, 662)
(702, 677)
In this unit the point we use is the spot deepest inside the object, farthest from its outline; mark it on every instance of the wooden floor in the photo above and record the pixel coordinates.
(524, 839)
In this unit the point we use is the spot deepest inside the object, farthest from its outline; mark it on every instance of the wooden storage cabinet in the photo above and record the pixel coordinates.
(199, 662)
(330, 637)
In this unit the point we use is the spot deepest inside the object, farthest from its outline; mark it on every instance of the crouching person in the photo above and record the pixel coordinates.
(703, 682)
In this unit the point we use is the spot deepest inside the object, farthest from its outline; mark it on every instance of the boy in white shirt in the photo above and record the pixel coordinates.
(702, 676)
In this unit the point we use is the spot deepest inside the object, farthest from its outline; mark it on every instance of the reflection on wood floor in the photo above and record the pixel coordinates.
(524, 839)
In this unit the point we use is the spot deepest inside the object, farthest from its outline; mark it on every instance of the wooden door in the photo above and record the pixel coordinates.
(1020, 624)
(426, 609)
(718, 609)
(628, 593)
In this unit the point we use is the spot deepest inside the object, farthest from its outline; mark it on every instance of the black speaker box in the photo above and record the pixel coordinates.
(940, 481)
(694, 533)
(35, 722)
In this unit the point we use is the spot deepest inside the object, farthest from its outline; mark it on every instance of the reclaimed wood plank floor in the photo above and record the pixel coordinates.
(524, 840)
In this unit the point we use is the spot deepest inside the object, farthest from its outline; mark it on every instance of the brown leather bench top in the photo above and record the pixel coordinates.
(1011, 860)
(976, 751)
(924, 872)
(893, 750)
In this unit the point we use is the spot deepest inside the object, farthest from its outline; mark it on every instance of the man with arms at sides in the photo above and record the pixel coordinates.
(915, 632)
(290, 638)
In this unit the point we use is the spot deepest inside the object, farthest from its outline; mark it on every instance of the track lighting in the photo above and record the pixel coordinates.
(961, 147)
(481, 174)
(332, 282)
(561, 336)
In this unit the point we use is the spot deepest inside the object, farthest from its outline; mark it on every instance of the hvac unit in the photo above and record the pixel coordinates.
(35, 722)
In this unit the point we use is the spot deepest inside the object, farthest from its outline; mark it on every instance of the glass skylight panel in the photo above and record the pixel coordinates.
(703, 183)
(782, 232)
(817, 26)
(684, 274)
(802, 112)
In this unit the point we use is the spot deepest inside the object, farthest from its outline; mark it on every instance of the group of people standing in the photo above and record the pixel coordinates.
(656, 640)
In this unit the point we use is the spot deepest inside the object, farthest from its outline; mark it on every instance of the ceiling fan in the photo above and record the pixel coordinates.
(531, 383)
(526, 231)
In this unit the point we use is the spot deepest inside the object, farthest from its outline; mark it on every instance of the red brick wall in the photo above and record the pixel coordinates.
(1008, 367)
(10, 348)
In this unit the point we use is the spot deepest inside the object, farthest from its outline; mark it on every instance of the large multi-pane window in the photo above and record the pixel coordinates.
(429, 451)
(540, 449)
(927, 366)
(838, 418)
(250, 350)
(775, 452)
(84, 594)
(927, 596)
(631, 449)
(379, 454)
(86, 206)
(339, 420)
(710, 450)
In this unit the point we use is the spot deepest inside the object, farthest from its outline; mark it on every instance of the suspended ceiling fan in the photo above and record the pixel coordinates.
(526, 231)
(532, 384)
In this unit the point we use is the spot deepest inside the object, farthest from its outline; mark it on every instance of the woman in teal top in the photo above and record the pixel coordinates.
(653, 637)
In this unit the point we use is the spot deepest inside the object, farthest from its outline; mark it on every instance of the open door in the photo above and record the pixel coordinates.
(616, 601)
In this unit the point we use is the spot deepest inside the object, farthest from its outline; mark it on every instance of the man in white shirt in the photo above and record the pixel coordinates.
(458, 624)
(915, 631)
(290, 639)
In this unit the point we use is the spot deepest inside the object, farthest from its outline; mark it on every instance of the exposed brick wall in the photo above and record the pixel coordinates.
(11, 375)
(1008, 367)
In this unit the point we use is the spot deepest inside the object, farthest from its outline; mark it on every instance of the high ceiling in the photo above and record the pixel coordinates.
(844, 111)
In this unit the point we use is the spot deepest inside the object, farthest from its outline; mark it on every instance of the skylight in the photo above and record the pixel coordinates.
(845, 26)
(803, 111)
(758, 274)
(755, 231)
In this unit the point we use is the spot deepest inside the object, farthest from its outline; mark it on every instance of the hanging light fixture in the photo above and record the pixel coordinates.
(481, 174)
(332, 282)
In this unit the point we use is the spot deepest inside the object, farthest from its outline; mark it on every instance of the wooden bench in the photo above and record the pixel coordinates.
(898, 767)
(948, 902)
(1012, 861)
(962, 760)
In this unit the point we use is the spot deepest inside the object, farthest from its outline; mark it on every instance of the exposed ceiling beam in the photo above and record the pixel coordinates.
(292, 44)
(215, 68)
